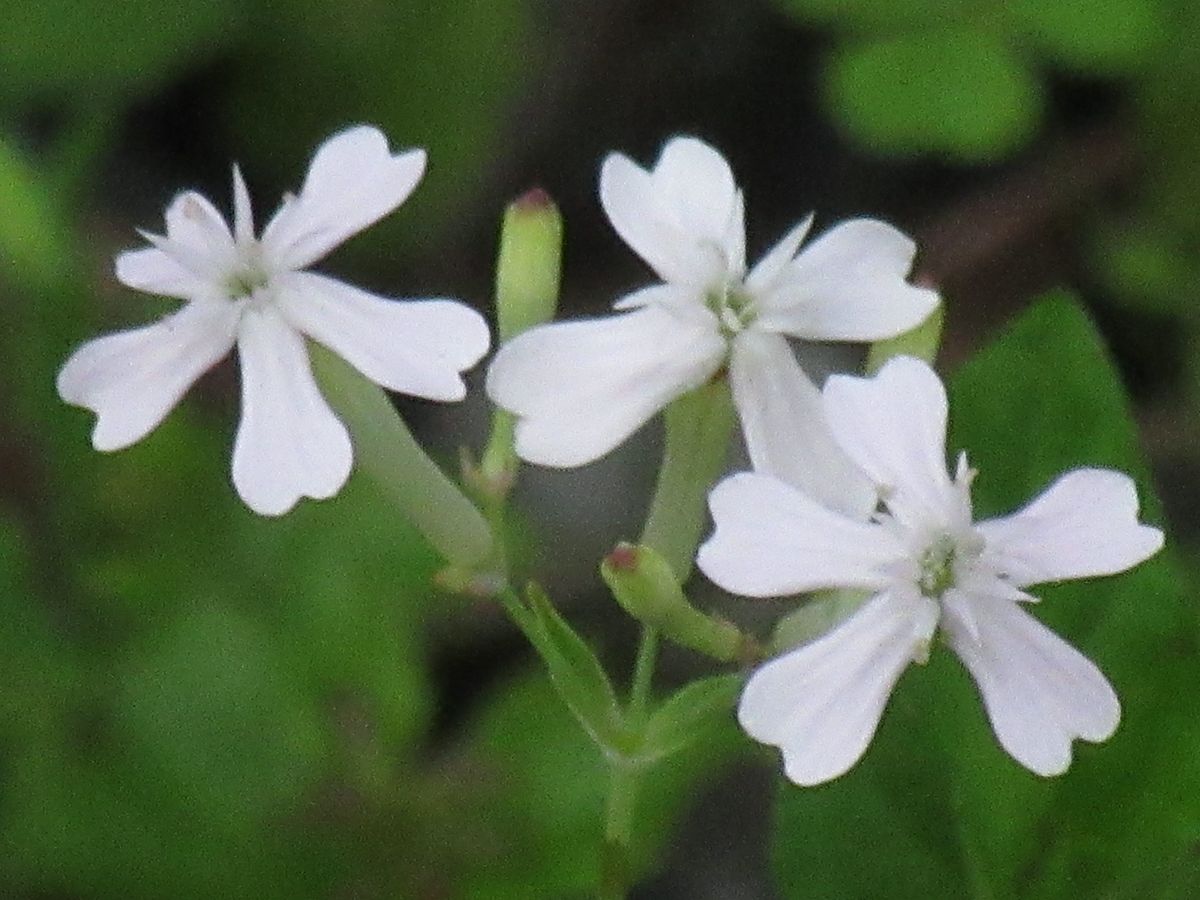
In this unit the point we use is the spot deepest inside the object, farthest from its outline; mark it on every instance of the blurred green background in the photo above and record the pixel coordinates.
(198, 702)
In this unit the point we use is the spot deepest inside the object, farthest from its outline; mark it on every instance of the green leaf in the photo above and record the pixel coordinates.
(216, 716)
(957, 93)
(872, 15)
(1105, 36)
(534, 816)
(436, 75)
(93, 47)
(945, 810)
(1148, 265)
(689, 715)
(577, 675)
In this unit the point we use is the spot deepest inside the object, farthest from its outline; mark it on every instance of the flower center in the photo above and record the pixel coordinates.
(936, 567)
(733, 307)
(942, 563)
(247, 278)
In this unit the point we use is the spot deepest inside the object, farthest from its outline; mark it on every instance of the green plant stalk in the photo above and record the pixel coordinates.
(643, 675)
(387, 451)
(697, 440)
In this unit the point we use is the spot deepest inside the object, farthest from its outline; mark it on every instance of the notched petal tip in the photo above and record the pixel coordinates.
(1083, 525)
(822, 702)
(353, 180)
(1040, 693)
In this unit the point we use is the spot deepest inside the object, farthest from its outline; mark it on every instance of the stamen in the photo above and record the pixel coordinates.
(937, 567)
(733, 307)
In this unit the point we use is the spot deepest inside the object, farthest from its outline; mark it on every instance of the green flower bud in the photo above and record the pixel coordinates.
(644, 584)
(527, 279)
(528, 264)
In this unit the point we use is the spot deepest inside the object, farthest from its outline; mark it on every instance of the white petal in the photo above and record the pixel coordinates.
(765, 272)
(1084, 524)
(683, 302)
(696, 183)
(580, 388)
(243, 212)
(132, 379)
(417, 347)
(821, 703)
(771, 540)
(1040, 692)
(289, 442)
(156, 272)
(684, 218)
(352, 182)
(200, 233)
(894, 427)
(785, 428)
(849, 285)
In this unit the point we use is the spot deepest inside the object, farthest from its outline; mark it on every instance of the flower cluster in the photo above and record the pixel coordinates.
(850, 487)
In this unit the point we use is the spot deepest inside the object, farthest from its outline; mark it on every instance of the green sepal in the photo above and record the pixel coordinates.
(689, 715)
(819, 613)
(577, 675)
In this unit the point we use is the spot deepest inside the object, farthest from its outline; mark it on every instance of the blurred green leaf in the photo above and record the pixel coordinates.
(1148, 266)
(959, 93)
(90, 47)
(946, 812)
(430, 74)
(538, 802)
(1106, 36)
(214, 714)
(873, 15)
(33, 236)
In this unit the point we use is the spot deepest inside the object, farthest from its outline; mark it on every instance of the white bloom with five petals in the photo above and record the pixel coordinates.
(926, 565)
(254, 293)
(580, 388)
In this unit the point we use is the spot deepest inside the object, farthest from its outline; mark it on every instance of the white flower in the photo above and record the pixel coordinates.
(926, 565)
(254, 292)
(580, 388)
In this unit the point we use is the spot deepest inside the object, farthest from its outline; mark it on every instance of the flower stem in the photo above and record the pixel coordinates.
(624, 779)
(698, 426)
(697, 439)
(643, 674)
(615, 875)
